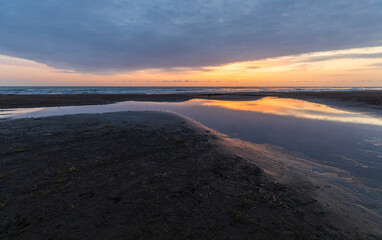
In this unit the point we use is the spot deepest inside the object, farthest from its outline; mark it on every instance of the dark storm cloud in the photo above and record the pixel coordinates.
(119, 35)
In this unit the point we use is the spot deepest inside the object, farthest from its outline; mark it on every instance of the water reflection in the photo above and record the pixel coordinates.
(12, 112)
(348, 141)
(293, 107)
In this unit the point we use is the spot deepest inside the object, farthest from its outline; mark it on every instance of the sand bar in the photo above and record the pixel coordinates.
(357, 98)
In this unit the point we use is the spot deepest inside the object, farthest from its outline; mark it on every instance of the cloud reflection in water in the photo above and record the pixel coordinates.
(294, 107)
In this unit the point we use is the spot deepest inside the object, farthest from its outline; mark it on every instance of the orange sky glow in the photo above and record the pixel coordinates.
(351, 67)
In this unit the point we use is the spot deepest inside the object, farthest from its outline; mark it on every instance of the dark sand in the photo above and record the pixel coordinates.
(372, 98)
(145, 175)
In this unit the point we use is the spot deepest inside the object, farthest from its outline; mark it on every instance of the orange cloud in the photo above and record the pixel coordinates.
(352, 67)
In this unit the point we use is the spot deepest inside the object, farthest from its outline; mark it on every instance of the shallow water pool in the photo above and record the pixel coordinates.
(348, 141)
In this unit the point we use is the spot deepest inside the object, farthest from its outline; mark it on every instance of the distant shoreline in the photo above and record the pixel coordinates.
(369, 98)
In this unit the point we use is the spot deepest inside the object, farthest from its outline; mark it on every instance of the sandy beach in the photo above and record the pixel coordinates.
(133, 175)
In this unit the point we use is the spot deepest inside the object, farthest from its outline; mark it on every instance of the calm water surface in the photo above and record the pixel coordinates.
(348, 141)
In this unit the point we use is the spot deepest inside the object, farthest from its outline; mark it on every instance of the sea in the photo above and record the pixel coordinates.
(164, 90)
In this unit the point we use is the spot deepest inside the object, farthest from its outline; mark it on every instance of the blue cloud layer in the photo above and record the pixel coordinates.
(120, 35)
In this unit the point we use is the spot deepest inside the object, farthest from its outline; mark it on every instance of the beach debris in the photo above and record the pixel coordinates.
(223, 167)
(236, 214)
(61, 180)
(33, 188)
(189, 235)
(47, 192)
(99, 162)
(246, 202)
(107, 132)
(19, 150)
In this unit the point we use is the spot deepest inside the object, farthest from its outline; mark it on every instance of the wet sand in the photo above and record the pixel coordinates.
(351, 98)
(133, 175)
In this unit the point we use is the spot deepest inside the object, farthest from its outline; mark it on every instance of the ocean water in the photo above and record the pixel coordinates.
(152, 90)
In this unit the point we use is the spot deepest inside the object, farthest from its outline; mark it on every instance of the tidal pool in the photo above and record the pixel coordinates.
(348, 141)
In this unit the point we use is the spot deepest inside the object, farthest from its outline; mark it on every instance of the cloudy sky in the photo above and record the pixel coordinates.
(193, 42)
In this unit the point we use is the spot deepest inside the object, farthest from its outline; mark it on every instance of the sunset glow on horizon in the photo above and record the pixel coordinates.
(351, 67)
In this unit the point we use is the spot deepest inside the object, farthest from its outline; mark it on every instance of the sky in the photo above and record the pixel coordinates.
(191, 43)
